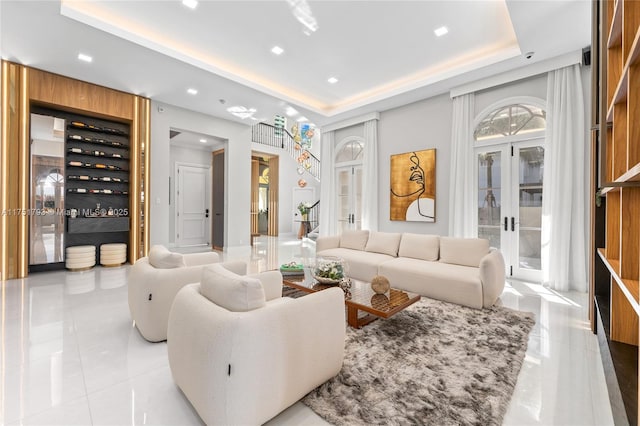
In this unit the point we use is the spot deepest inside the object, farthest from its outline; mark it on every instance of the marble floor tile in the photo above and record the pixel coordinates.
(71, 355)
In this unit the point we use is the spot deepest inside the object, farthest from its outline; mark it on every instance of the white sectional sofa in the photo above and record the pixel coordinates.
(457, 270)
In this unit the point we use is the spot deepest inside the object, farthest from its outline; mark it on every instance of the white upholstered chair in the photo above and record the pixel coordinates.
(154, 281)
(241, 353)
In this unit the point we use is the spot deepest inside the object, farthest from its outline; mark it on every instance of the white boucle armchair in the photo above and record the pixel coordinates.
(243, 368)
(152, 289)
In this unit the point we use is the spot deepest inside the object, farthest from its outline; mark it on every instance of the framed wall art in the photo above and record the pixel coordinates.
(413, 186)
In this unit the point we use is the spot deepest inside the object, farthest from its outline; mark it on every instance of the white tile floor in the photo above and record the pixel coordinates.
(69, 354)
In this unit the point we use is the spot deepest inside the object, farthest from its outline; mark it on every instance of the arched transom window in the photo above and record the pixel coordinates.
(350, 151)
(515, 119)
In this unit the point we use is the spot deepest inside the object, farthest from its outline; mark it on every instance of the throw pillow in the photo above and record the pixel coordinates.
(356, 240)
(463, 251)
(419, 246)
(383, 242)
(236, 293)
(161, 258)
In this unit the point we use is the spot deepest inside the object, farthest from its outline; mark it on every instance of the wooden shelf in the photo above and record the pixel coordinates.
(630, 288)
(620, 95)
(634, 53)
(606, 189)
(615, 32)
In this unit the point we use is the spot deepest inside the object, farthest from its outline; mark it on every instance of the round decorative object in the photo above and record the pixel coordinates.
(329, 270)
(300, 170)
(302, 183)
(380, 301)
(380, 284)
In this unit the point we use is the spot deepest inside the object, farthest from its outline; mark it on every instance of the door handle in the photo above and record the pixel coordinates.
(506, 223)
(513, 223)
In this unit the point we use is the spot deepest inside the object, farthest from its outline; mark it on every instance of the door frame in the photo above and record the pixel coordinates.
(208, 190)
(509, 186)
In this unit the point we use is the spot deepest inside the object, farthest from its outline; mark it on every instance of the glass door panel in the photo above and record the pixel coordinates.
(490, 197)
(530, 168)
(47, 210)
(357, 202)
(343, 191)
(349, 193)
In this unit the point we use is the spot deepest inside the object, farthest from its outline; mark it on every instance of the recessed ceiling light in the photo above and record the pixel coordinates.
(303, 118)
(85, 58)
(277, 50)
(203, 140)
(291, 111)
(441, 31)
(332, 80)
(192, 91)
(191, 4)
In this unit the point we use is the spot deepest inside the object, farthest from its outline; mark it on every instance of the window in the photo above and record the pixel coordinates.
(515, 119)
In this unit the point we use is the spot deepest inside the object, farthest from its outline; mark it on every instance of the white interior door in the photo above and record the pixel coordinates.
(193, 205)
(509, 201)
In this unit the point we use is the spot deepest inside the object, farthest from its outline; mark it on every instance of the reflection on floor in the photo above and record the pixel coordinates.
(70, 355)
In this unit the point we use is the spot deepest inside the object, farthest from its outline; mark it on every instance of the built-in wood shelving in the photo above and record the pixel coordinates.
(618, 101)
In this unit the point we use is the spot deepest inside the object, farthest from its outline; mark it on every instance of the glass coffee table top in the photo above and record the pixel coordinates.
(360, 297)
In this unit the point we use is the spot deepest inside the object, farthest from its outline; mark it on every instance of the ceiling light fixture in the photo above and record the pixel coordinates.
(302, 12)
(203, 140)
(440, 31)
(301, 119)
(332, 80)
(241, 111)
(277, 50)
(85, 58)
(192, 91)
(191, 4)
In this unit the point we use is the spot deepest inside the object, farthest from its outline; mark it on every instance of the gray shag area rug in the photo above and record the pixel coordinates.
(433, 364)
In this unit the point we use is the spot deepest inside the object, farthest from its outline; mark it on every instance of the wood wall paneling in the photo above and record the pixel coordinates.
(255, 176)
(66, 92)
(274, 195)
(23, 86)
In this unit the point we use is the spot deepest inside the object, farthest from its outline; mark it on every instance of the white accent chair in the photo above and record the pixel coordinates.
(248, 354)
(154, 281)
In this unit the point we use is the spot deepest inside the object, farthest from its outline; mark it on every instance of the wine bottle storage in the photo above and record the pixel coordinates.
(97, 179)
(95, 153)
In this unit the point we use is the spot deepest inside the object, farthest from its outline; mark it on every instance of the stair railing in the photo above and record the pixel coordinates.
(267, 134)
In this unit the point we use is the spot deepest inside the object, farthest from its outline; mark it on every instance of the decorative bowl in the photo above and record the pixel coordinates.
(329, 269)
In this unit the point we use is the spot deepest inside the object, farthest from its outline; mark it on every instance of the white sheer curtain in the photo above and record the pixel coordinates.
(462, 215)
(328, 219)
(564, 205)
(370, 170)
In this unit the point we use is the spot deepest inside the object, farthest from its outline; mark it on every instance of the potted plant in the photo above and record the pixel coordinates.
(303, 208)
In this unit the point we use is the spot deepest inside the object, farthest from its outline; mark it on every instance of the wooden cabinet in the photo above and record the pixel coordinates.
(617, 131)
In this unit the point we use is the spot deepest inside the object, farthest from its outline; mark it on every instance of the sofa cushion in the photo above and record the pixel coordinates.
(383, 242)
(356, 240)
(237, 293)
(361, 265)
(436, 280)
(463, 251)
(419, 246)
(161, 258)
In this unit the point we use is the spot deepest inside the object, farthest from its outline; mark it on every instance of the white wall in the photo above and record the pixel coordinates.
(427, 124)
(182, 155)
(414, 127)
(237, 168)
(288, 181)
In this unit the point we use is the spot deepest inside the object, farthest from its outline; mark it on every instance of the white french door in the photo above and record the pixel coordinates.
(509, 197)
(349, 192)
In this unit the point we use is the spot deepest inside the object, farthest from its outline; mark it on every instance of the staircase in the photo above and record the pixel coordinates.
(267, 134)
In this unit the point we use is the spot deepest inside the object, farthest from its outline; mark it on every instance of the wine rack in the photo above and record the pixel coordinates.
(97, 180)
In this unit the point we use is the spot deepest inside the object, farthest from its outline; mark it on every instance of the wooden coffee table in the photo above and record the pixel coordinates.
(360, 298)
